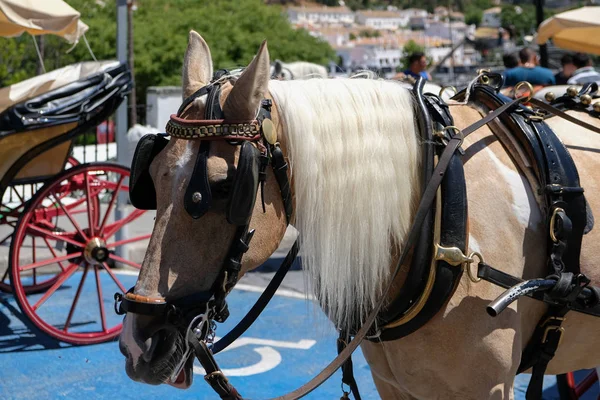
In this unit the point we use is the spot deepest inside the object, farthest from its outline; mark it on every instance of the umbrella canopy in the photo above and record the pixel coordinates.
(40, 17)
(576, 30)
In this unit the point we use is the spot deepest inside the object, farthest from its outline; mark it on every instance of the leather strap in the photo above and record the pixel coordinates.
(347, 369)
(562, 114)
(214, 376)
(260, 304)
(198, 196)
(541, 349)
(424, 206)
(280, 168)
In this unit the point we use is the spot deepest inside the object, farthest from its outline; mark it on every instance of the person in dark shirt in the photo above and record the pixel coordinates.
(417, 66)
(567, 70)
(511, 60)
(530, 71)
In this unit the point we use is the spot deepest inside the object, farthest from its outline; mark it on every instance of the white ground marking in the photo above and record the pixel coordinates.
(269, 357)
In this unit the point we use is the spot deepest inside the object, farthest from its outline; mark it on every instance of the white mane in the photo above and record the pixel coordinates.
(355, 161)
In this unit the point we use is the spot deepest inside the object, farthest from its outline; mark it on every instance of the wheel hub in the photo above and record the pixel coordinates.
(95, 251)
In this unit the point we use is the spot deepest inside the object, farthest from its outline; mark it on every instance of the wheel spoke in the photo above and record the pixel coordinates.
(5, 275)
(111, 204)
(5, 239)
(50, 261)
(66, 275)
(124, 261)
(55, 236)
(89, 203)
(19, 196)
(114, 278)
(113, 228)
(53, 253)
(76, 299)
(70, 217)
(33, 259)
(126, 241)
(100, 301)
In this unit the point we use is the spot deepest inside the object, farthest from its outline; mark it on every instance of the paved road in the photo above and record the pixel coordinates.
(289, 343)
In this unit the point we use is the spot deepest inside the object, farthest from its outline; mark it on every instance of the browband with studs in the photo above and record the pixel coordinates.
(213, 129)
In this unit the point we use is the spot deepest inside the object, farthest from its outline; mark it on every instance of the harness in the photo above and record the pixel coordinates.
(436, 241)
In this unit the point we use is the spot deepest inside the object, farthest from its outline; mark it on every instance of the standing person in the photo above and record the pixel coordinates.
(530, 71)
(568, 68)
(584, 73)
(417, 66)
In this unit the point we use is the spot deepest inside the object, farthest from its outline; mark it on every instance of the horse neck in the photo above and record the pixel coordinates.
(355, 163)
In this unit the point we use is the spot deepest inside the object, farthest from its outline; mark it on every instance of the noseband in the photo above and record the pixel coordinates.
(258, 149)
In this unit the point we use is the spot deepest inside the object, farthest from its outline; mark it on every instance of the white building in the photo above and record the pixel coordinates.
(464, 56)
(491, 17)
(415, 13)
(454, 30)
(391, 20)
(370, 56)
(320, 15)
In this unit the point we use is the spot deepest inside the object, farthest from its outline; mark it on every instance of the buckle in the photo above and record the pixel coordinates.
(215, 375)
(556, 328)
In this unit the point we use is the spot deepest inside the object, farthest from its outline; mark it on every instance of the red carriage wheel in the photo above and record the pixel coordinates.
(9, 217)
(76, 253)
(570, 389)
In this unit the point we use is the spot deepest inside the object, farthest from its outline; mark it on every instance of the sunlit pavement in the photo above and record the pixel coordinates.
(288, 345)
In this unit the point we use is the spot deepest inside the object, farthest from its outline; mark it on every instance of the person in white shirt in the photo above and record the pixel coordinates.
(585, 72)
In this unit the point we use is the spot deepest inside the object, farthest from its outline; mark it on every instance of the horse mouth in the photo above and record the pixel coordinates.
(185, 377)
(167, 357)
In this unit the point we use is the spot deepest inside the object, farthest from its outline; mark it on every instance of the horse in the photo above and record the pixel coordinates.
(354, 152)
(297, 70)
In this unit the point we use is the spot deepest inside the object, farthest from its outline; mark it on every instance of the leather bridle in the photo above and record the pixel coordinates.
(184, 312)
(258, 133)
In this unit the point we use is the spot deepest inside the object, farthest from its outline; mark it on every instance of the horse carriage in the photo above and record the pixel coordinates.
(58, 217)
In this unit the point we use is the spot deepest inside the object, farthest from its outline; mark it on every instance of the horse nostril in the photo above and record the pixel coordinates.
(150, 346)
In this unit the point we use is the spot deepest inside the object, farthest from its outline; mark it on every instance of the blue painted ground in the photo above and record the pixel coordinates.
(37, 367)
(288, 345)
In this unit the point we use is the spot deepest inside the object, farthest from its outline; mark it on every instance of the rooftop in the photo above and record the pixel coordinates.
(321, 9)
(493, 10)
(379, 14)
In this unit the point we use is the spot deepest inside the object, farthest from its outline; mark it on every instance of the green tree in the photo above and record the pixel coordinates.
(234, 29)
(409, 48)
(473, 16)
(521, 20)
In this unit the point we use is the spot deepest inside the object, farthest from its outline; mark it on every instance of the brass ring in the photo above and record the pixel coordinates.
(484, 79)
(473, 277)
(444, 88)
(552, 235)
(456, 133)
(529, 86)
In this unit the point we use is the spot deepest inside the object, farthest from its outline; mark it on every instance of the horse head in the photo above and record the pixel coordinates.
(206, 215)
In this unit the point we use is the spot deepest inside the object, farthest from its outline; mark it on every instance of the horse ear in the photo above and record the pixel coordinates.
(278, 67)
(197, 65)
(246, 95)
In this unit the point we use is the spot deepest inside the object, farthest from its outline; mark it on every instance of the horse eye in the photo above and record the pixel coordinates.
(221, 189)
